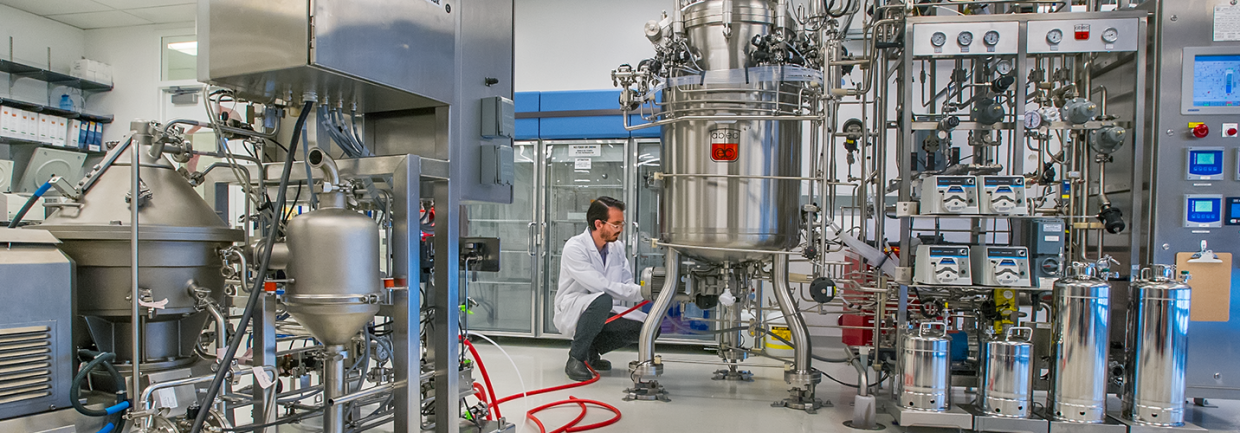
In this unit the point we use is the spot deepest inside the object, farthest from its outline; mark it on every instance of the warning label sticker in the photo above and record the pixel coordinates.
(725, 145)
(1226, 23)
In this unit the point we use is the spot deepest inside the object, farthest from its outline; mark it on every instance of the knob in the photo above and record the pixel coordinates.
(1201, 131)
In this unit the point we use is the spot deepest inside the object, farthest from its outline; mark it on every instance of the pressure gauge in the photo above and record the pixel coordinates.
(991, 38)
(1110, 35)
(1033, 120)
(938, 39)
(965, 39)
(1003, 67)
(1054, 37)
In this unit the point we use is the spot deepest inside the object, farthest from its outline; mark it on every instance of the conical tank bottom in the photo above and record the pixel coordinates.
(333, 324)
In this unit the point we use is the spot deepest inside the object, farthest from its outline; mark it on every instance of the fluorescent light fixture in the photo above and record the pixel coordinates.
(190, 47)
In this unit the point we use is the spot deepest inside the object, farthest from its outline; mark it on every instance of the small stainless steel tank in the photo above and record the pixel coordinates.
(1158, 314)
(1007, 389)
(925, 362)
(1080, 311)
(334, 263)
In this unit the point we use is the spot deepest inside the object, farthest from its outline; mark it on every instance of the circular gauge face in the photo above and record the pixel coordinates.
(938, 39)
(1110, 35)
(991, 38)
(965, 38)
(1033, 120)
(1054, 36)
(1004, 67)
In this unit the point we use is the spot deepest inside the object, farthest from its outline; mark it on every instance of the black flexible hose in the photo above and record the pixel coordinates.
(17, 219)
(98, 359)
(256, 289)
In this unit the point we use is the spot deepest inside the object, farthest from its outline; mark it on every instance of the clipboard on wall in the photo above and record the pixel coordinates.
(1210, 280)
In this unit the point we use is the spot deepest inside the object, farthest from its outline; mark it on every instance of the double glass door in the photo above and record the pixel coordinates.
(555, 183)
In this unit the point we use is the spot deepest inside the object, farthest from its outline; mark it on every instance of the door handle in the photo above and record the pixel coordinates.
(530, 236)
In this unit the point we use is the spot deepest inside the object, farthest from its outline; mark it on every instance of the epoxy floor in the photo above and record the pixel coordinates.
(699, 404)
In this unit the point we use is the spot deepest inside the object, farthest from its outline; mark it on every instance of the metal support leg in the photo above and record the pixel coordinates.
(333, 388)
(264, 332)
(444, 301)
(647, 364)
(801, 374)
(406, 269)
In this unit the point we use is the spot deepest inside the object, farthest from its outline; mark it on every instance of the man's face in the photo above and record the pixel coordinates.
(610, 230)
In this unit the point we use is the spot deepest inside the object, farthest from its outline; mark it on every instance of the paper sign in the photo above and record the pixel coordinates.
(578, 150)
(582, 163)
(260, 376)
(167, 397)
(1226, 23)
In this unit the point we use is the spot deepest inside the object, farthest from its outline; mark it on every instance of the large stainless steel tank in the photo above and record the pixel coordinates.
(701, 206)
(333, 259)
(1079, 311)
(925, 362)
(1007, 387)
(1158, 315)
(179, 238)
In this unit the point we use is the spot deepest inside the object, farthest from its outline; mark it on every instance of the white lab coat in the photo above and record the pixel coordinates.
(583, 277)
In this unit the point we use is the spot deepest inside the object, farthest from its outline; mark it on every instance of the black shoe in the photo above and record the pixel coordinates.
(577, 370)
(599, 364)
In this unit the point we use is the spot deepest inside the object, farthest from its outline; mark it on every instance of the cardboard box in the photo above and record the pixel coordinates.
(6, 124)
(71, 137)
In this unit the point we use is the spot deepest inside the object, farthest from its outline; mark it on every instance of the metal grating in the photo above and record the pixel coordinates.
(25, 363)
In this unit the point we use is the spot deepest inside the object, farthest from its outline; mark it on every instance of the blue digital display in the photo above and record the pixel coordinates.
(1233, 211)
(1216, 81)
(1205, 162)
(1204, 210)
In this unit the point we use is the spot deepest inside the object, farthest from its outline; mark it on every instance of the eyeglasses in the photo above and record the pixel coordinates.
(617, 226)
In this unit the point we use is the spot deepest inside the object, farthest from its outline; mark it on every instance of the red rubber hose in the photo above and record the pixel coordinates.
(572, 427)
(551, 389)
(485, 377)
(635, 307)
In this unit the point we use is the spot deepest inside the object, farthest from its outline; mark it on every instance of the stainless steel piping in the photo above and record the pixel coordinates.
(645, 344)
(333, 389)
(800, 333)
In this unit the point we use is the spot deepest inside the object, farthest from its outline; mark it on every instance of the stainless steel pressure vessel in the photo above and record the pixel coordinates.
(1007, 387)
(1079, 311)
(722, 190)
(334, 264)
(925, 362)
(1158, 314)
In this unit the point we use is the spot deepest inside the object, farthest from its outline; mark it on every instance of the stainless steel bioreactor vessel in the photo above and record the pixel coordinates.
(1007, 384)
(734, 85)
(925, 369)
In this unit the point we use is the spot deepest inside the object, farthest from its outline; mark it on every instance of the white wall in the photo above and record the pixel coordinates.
(32, 37)
(575, 44)
(134, 53)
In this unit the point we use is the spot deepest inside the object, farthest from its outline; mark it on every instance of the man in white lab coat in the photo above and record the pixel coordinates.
(595, 279)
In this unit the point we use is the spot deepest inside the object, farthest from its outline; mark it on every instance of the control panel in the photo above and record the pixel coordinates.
(1045, 239)
(1002, 195)
(949, 195)
(966, 38)
(1000, 266)
(1204, 163)
(942, 265)
(1203, 211)
(1088, 36)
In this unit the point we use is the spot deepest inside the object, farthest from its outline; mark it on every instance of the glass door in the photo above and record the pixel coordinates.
(577, 172)
(505, 300)
(683, 323)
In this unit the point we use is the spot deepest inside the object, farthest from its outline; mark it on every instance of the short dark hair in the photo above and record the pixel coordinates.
(600, 208)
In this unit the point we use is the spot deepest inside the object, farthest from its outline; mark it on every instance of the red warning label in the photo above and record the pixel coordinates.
(724, 152)
(725, 145)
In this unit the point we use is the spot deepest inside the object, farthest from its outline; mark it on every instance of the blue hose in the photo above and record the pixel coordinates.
(17, 219)
(117, 407)
(107, 428)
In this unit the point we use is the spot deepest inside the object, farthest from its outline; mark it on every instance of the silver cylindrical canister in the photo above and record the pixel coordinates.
(1080, 310)
(1007, 387)
(1158, 314)
(925, 362)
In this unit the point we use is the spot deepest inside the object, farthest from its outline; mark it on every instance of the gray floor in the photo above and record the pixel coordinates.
(700, 404)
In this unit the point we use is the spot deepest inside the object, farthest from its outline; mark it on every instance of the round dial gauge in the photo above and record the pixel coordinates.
(1033, 120)
(1110, 35)
(965, 38)
(1054, 36)
(1003, 67)
(991, 38)
(938, 39)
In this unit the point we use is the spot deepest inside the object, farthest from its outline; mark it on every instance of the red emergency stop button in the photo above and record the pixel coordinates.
(1231, 132)
(1201, 131)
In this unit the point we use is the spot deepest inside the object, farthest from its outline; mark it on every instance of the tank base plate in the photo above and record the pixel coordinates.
(646, 391)
(953, 417)
(1134, 427)
(984, 422)
(738, 375)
